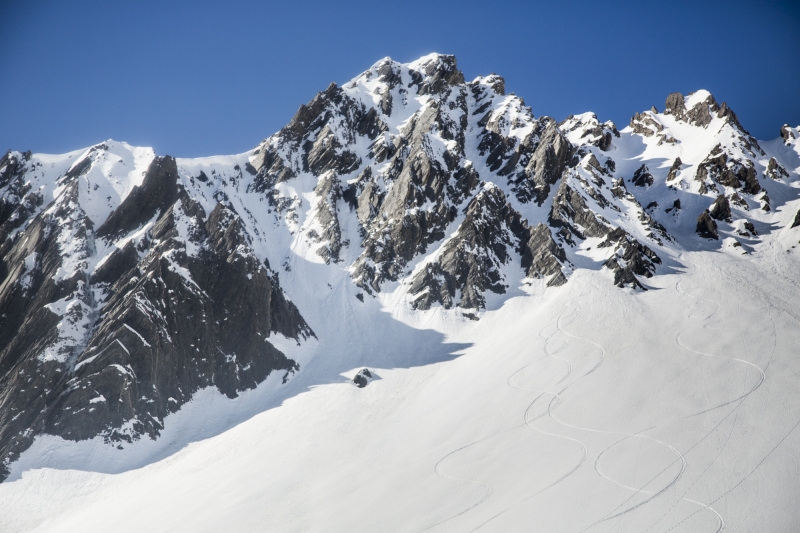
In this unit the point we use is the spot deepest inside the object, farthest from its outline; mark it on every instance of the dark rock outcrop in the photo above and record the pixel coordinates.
(630, 259)
(642, 177)
(489, 238)
(439, 73)
(674, 169)
(675, 105)
(544, 163)
(180, 306)
(700, 114)
(729, 172)
(706, 227)
(158, 191)
(19, 200)
(775, 170)
(542, 257)
(362, 378)
(644, 124)
(749, 230)
(721, 209)
(787, 134)
(547, 162)
(570, 211)
(593, 132)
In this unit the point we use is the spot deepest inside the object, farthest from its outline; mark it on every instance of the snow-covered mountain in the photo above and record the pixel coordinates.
(405, 200)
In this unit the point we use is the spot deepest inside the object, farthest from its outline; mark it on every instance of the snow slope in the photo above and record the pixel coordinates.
(564, 410)
(590, 405)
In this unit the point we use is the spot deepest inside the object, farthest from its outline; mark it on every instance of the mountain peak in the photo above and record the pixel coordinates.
(696, 108)
(699, 108)
(430, 67)
(433, 62)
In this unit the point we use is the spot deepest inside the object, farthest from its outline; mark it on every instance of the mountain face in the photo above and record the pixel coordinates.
(129, 281)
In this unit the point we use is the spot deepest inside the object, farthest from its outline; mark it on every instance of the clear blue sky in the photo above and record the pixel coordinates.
(201, 78)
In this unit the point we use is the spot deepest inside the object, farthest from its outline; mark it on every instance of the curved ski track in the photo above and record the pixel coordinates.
(556, 399)
(487, 487)
(742, 399)
(736, 410)
(528, 421)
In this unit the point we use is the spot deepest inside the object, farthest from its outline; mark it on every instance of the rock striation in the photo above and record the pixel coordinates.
(106, 330)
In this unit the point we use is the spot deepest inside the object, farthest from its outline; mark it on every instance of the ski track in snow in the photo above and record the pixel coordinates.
(737, 409)
(745, 477)
(684, 346)
(528, 421)
(487, 487)
(554, 402)
(614, 513)
(740, 399)
(557, 399)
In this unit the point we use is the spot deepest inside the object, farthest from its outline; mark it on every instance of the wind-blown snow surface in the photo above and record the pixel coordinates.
(582, 408)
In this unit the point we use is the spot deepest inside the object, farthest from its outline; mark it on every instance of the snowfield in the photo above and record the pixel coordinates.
(585, 408)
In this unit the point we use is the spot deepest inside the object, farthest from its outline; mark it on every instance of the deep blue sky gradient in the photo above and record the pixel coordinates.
(202, 78)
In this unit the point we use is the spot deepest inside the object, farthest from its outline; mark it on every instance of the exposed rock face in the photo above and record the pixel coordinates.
(362, 378)
(571, 212)
(158, 192)
(750, 229)
(706, 227)
(728, 172)
(329, 191)
(592, 131)
(775, 170)
(674, 169)
(177, 302)
(721, 209)
(731, 164)
(702, 112)
(675, 105)
(411, 185)
(472, 260)
(542, 257)
(440, 72)
(796, 220)
(649, 125)
(631, 257)
(787, 134)
(582, 196)
(19, 200)
(645, 124)
(642, 177)
(546, 165)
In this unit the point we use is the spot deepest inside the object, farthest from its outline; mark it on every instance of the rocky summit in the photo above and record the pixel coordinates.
(130, 281)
